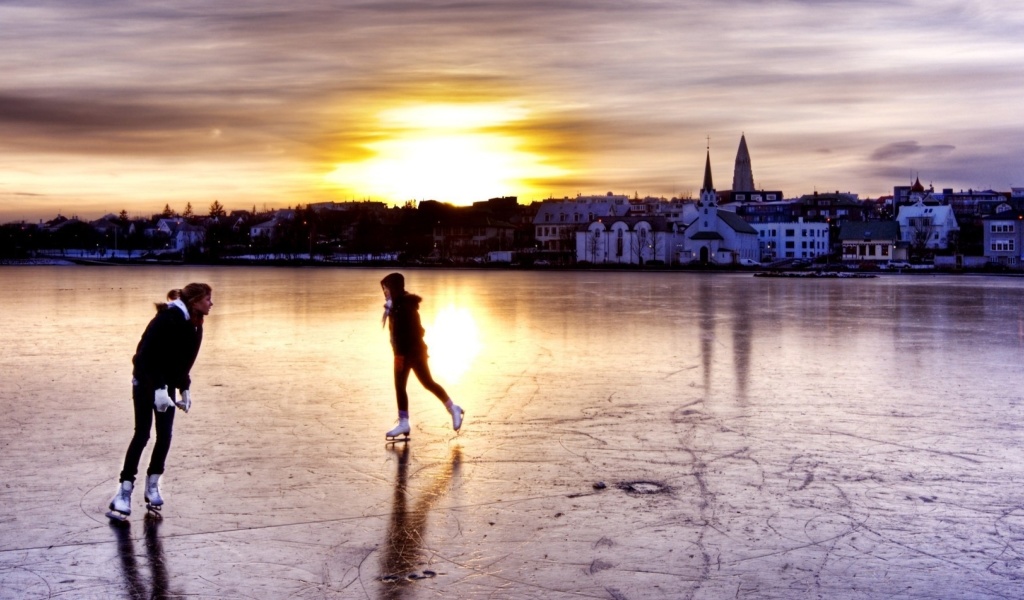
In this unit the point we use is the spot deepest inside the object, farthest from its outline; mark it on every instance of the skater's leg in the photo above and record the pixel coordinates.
(164, 430)
(401, 380)
(422, 370)
(142, 399)
(402, 397)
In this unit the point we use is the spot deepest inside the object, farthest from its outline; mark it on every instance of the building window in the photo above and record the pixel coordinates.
(790, 232)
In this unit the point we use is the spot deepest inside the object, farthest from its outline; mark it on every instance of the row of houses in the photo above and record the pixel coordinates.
(619, 230)
(735, 227)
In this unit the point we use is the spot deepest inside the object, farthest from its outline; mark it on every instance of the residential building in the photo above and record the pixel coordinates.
(797, 239)
(871, 242)
(1004, 236)
(468, 232)
(557, 221)
(927, 226)
(836, 207)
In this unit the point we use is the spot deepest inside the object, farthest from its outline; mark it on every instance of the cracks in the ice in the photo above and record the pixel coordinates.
(960, 456)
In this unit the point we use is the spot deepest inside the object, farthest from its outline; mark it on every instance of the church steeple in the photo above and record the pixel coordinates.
(743, 173)
(708, 185)
(707, 204)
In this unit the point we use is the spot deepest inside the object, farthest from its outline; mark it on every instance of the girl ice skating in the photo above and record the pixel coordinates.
(163, 361)
(401, 314)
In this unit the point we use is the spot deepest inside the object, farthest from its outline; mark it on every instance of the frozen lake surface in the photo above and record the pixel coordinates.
(627, 436)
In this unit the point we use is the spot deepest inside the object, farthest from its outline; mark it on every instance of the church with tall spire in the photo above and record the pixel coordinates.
(717, 236)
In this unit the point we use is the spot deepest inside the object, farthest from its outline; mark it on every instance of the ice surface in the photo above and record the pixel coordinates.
(627, 436)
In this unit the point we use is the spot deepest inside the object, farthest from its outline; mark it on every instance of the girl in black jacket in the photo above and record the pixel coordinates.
(401, 312)
(163, 360)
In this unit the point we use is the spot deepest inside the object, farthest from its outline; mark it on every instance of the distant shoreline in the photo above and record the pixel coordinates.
(306, 263)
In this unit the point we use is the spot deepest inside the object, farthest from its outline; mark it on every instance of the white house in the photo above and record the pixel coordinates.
(927, 226)
(180, 233)
(267, 229)
(625, 240)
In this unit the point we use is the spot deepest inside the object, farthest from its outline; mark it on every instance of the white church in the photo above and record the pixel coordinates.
(699, 233)
(716, 236)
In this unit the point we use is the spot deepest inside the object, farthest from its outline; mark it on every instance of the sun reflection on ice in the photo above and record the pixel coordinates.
(454, 341)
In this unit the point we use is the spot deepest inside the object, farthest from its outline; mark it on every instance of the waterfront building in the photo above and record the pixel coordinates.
(626, 240)
(1004, 236)
(794, 239)
(927, 226)
(874, 242)
(557, 220)
(836, 207)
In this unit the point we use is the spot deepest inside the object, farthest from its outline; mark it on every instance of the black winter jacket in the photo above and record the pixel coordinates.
(167, 350)
(406, 329)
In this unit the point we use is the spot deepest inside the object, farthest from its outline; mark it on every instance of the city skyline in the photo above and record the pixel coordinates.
(110, 106)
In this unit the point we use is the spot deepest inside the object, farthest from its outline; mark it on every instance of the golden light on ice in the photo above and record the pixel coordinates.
(454, 342)
(449, 152)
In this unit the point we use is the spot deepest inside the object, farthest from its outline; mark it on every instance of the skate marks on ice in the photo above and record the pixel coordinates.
(794, 508)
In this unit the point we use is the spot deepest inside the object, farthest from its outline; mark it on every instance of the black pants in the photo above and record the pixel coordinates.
(142, 398)
(419, 366)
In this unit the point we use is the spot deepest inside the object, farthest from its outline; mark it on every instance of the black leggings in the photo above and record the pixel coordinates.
(419, 366)
(142, 398)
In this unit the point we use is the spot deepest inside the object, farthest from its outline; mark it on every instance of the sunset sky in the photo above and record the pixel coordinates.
(108, 105)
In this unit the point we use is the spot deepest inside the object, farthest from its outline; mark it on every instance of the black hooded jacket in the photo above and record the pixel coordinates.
(404, 324)
(167, 350)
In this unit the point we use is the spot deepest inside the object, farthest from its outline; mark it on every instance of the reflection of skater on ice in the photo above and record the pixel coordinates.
(401, 313)
(134, 585)
(403, 548)
(163, 361)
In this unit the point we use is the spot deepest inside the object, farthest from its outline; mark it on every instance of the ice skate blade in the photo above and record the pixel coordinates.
(154, 509)
(394, 439)
(118, 517)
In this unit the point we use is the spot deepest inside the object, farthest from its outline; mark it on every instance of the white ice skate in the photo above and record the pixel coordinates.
(401, 429)
(154, 501)
(457, 414)
(121, 503)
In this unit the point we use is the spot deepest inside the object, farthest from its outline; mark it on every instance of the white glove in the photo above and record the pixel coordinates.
(161, 400)
(184, 401)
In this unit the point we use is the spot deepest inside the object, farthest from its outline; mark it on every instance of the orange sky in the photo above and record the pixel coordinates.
(109, 106)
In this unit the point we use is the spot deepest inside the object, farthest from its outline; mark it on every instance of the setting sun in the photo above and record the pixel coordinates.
(455, 344)
(448, 152)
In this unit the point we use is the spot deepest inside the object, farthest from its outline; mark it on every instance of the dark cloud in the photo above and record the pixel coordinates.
(908, 149)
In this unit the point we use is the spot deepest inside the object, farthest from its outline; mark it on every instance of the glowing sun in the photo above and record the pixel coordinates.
(449, 152)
